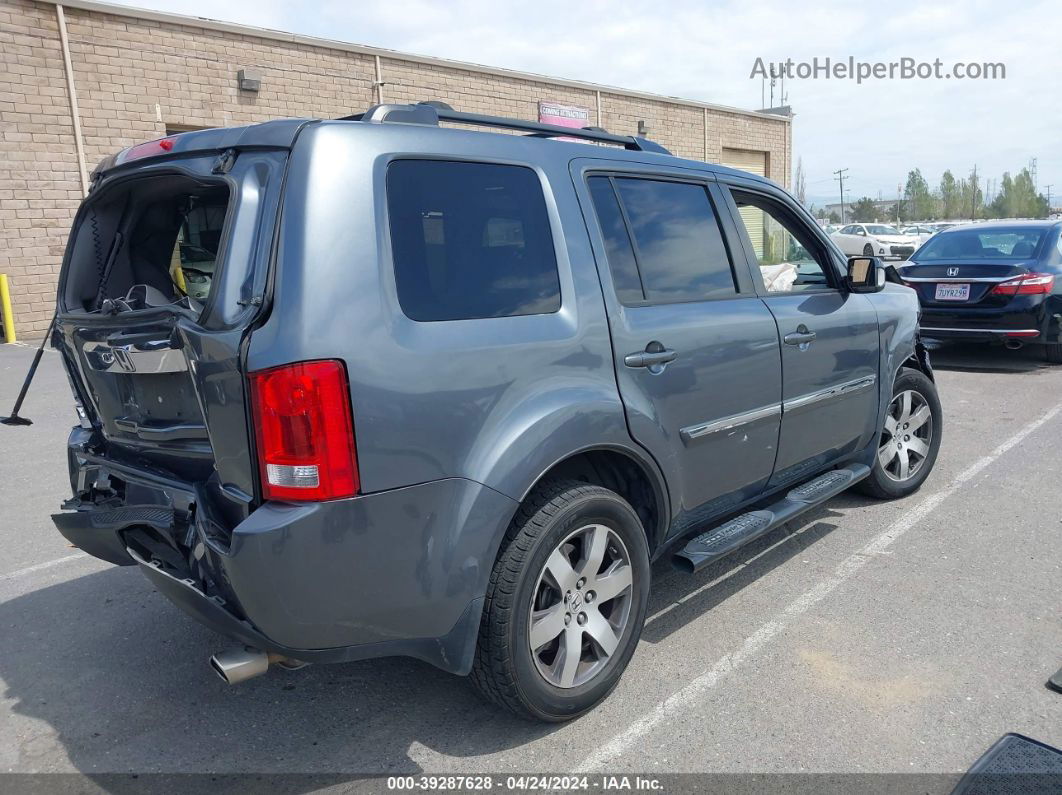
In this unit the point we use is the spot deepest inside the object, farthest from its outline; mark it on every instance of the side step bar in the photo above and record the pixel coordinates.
(720, 541)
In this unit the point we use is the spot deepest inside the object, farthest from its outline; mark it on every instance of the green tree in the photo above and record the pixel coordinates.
(835, 218)
(1003, 205)
(864, 210)
(949, 195)
(919, 201)
(1018, 198)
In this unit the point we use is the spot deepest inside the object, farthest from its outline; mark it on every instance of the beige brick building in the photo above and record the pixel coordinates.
(82, 80)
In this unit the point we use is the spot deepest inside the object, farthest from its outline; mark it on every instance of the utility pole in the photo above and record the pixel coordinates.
(898, 200)
(840, 179)
(973, 194)
(1032, 172)
(1048, 187)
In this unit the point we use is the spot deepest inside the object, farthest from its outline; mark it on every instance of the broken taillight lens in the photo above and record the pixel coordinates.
(305, 431)
(1029, 284)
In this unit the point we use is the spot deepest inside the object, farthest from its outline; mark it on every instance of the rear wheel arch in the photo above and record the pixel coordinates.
(630, 476)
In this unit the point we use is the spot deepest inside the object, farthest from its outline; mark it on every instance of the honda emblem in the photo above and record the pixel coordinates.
(124, 360)
(953, 271)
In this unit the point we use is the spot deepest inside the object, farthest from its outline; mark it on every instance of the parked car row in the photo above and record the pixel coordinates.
(874, 240)
(878, 239)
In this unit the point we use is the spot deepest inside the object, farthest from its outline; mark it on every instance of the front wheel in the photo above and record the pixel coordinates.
(565, 604)
(910, 438)
(868, 250)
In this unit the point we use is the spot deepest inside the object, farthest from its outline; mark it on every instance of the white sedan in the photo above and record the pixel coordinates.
(874, 240)
(921, 232)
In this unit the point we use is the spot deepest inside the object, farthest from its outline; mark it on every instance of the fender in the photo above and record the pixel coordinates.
(898, 314)
(556, 422)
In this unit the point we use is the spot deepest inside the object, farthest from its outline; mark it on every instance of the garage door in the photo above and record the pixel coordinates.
(756, 163)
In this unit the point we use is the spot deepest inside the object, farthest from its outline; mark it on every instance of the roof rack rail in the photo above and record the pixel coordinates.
(431, 113)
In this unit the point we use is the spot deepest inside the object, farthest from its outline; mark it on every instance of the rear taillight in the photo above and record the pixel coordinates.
(1029, 284)
(305, 431)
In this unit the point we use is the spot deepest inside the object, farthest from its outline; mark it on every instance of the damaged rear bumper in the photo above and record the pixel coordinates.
(397, 573)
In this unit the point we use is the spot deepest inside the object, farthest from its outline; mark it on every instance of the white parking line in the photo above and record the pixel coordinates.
(40, 567)
(683, 698)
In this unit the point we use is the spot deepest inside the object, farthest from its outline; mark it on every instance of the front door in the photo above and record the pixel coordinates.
(696, 351)
(829, 336)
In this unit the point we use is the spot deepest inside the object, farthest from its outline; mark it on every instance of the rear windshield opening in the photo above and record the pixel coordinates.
(148, 242)
(984, 244)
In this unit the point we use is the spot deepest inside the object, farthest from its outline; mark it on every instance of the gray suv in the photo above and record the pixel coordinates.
(377, 386)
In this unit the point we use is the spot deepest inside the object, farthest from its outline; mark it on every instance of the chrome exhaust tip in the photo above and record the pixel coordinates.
(239, 665)
(1013, 344)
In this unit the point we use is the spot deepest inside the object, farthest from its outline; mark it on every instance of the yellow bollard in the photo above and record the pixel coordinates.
(5, 308)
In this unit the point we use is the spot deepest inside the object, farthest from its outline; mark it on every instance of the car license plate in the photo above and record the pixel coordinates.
(953, 292)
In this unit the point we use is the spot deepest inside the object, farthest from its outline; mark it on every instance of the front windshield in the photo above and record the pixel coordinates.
(881, 229)
(983, 244)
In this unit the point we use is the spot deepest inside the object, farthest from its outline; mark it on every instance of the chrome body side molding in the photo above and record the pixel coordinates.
(693, 432)
(835, 391)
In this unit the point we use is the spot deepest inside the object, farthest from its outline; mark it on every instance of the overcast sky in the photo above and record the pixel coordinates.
(879, 130)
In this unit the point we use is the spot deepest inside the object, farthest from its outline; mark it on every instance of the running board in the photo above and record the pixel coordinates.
(721, 541)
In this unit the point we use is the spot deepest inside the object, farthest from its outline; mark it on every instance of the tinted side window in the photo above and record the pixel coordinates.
(617, 242)
(470, 240)
(680, 249)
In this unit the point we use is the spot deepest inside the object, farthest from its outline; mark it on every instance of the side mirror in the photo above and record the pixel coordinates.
(865, 275)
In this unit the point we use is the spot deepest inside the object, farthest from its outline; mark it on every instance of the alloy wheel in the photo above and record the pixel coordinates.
(907, 436)
(580, 606)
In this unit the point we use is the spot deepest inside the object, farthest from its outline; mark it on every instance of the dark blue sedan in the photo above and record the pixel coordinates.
(992, 282)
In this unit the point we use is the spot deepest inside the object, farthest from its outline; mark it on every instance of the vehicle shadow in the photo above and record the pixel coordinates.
(678, 598)
(122, 677)
(972, 358)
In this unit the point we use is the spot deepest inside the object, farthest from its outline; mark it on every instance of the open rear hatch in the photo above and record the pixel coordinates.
(164, 276)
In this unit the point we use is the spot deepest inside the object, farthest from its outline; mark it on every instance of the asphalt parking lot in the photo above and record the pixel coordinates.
(867, 637)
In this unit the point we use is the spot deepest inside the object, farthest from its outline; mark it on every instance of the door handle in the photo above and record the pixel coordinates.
(801, 337)
(654, 355)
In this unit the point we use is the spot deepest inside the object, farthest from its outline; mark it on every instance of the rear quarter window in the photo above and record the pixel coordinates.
(470, 240)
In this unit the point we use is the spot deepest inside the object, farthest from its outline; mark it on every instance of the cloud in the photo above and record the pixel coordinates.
(706, 50)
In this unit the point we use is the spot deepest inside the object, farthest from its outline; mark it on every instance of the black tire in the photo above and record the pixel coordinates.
(1053, 352)
(505, 670)
(868, 250)
(885, 486)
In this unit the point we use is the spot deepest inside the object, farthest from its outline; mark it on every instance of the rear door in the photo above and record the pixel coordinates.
(829, 336)
(696, 352)
(165, 271)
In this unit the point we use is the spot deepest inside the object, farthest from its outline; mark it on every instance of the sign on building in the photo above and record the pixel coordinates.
(563, 115)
